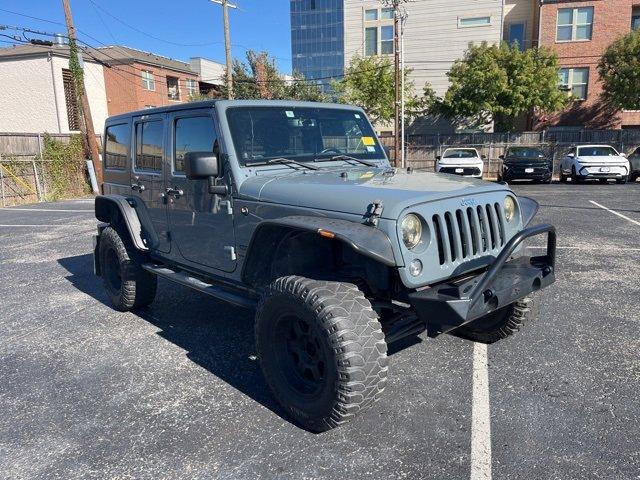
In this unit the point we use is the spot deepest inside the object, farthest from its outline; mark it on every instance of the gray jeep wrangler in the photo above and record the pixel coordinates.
(292, 209)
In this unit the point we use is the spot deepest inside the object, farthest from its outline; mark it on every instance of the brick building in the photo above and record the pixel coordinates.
(579, 32)
(135, 79)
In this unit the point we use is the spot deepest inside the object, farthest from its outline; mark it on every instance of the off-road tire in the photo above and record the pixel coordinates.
(347, 336)
(500, 324)
(128, 285)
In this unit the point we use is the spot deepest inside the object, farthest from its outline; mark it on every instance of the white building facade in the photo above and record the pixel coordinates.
(37, 93)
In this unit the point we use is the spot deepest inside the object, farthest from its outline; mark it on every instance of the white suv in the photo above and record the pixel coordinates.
(594, 161)
(461, 161)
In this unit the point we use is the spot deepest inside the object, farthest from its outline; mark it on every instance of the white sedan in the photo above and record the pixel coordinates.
(461, 161)
(594, 161)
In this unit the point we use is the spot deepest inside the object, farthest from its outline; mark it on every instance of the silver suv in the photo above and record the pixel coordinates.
(292, 209)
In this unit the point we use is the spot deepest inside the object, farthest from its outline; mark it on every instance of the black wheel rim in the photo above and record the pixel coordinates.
(302, 354)
(112, 271)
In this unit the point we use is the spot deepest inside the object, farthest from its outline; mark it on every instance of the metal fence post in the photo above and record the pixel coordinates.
(37, 180)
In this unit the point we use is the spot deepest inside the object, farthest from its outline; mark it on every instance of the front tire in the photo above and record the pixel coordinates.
(500, 324)
(321, 349)
(128, 285)
(622, 180)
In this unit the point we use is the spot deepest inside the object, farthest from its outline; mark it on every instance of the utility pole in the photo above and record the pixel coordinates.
(398, 140)
(227, 43)
(86, 121)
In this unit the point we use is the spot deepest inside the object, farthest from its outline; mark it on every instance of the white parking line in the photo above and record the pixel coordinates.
(43, 210)
(480, 416)
(615, 213)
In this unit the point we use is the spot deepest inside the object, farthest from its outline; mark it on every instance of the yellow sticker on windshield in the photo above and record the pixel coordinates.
(368, 141)
(367, 175)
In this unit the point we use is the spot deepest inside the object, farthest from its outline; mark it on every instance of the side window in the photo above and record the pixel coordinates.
(192, 134)
(117, 146)
(149, 146)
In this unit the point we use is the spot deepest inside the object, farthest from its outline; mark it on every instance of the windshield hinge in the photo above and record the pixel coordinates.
(374, 211)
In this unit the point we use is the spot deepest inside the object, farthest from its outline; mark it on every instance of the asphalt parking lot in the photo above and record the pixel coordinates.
(175, 391)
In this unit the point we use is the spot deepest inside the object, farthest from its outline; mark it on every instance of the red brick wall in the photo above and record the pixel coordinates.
(611, 19)
(123, 84)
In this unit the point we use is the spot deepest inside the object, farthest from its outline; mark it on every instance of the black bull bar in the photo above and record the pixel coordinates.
(450, 304)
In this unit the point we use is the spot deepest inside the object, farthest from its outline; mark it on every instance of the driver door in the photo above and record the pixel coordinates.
(201, 224)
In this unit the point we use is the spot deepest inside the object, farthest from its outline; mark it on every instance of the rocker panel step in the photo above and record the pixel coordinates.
(219, 292)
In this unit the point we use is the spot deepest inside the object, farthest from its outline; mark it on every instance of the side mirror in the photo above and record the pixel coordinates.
(438, 157)
(623, 155)
(201, 165)
(570, 155)
(501, 157)
(483, 157)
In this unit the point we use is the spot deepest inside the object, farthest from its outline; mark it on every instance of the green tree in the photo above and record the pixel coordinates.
(619, 69)
(501, 82)
(258, 77)
(369, 82)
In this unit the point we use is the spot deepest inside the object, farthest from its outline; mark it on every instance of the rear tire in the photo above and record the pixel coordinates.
(321, 349)
(500, 324)
(128, 285)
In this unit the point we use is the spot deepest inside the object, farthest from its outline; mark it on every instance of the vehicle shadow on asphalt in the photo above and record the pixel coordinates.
(214, 335)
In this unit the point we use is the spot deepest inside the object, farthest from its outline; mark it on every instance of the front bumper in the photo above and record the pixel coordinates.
(464, 170)
(449, 305)
(602, 171)
(538, 173)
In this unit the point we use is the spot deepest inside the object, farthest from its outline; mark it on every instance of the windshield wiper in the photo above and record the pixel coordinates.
(346, 158)
(282, 161)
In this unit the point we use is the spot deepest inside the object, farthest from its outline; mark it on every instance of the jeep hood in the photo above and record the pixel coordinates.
(354, 189)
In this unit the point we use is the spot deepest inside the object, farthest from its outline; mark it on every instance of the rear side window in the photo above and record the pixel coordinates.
(193, 134)
(149, 146)
(117, 146)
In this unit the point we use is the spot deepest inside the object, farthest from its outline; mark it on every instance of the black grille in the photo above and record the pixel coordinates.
(465, 170)
(467, 232)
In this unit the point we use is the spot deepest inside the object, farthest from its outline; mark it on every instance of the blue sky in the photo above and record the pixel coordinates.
(186, 28)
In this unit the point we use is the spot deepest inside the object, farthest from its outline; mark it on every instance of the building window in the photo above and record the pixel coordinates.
(117, 138)
(173, 90)
(574, 24)
(575, 81)
(192, 134)
(148, 82)
(371, 15)
(371, 41)
(474, 22)
(516, 35)
(71, 100)
(192, 87)
(149, 146)
(386, 14)
(635, 18)
(386, 39)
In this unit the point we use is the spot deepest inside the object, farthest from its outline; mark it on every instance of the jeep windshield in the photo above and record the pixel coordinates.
(304, 134)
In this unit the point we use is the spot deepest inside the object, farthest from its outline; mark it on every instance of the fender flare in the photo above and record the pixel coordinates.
(134, 217)
(363, 239)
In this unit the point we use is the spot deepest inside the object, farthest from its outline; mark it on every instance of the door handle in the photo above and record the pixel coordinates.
(174, 192)
(137, 186)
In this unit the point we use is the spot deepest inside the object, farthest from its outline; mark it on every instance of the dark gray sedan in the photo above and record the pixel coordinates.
(634, 160)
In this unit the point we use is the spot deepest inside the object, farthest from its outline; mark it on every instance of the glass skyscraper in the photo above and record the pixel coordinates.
(317, 39)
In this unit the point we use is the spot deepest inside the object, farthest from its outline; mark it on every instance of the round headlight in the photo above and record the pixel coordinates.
(411, 228)
(509, 208)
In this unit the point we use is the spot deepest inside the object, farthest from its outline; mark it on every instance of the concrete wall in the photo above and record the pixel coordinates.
(209, 71)
(33, 99)
(433, 36)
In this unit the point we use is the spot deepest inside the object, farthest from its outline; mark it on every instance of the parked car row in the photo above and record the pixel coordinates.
(585, 162)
